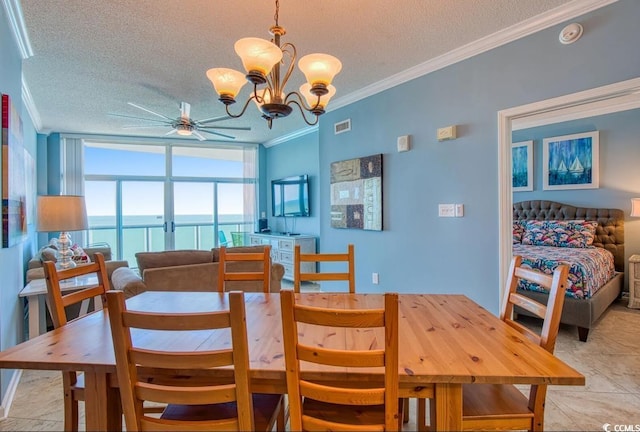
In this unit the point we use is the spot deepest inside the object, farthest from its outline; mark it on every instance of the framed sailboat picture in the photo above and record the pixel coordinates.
(522, 166)
(570, 162)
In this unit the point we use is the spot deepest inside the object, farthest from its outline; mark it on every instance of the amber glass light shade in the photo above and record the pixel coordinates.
(312, 100)
(227, 82)
(319, 68)
(258, 54)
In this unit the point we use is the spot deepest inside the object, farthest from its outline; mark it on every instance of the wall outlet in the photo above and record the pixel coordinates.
(374, 278)
(446, 210)
(404, 143)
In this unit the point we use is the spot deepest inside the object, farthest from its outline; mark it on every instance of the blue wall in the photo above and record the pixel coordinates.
(417, 251)
(295, 157)
(13, 260)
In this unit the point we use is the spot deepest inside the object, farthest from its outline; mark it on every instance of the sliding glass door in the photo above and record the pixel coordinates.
(149, 197)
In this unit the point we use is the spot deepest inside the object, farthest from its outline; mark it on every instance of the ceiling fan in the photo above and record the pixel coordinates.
(183, 125)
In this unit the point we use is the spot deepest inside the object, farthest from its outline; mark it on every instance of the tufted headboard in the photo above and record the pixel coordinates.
(609, 232)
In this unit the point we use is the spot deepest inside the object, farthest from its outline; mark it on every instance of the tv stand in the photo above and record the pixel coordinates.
(282, 249)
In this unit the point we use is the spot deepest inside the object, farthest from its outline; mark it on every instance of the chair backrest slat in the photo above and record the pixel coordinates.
(300, 276)
(225, 274)
(134, 390)
(57, 300)
(551, 313)
(353, 320)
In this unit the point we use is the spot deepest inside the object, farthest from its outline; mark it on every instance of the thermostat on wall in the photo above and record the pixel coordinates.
(447, 133)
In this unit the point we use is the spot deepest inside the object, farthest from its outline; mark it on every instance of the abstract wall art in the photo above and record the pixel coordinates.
(14, 211)
(356, 193)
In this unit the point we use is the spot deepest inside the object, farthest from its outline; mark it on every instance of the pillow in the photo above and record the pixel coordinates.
(48, 253)
(518, 231)
(573, 234)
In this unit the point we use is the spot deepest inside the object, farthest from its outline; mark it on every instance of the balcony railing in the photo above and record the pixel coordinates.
(151, 237)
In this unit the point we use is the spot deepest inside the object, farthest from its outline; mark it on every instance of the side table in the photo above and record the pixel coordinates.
(634, 282)
(36, 294)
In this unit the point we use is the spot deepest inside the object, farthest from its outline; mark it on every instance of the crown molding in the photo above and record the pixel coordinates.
(517, 31)
(27, 102)
(295, 134)
(16, 22)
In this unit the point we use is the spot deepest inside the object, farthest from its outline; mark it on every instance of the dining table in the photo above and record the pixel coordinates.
(445, 341)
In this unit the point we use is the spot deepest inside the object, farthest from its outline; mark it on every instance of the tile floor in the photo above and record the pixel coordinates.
(610, 360)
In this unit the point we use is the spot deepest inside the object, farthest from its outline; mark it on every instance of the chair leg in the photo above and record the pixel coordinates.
(70, 412)
(407, 413)
(281, 421)
(421, 418)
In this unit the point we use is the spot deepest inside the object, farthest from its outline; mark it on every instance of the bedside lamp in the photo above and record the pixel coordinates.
(635, 207)
(62, 213)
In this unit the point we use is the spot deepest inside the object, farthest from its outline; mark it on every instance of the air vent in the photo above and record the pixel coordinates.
(343, 126)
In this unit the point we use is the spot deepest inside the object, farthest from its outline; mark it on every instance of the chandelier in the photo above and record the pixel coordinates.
(262, 60)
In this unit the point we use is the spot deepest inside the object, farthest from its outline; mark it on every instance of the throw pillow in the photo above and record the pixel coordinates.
(518, 231)
(48, 253)
(573, 234)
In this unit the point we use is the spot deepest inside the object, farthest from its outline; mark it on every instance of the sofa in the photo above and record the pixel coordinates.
(36, 271)
(189, 270)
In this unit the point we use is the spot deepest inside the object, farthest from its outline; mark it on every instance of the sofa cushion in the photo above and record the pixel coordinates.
(148, 260)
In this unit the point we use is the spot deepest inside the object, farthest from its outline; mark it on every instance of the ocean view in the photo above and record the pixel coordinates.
(144, 233)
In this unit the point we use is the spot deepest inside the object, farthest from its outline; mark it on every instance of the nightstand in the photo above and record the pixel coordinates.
(634, 281)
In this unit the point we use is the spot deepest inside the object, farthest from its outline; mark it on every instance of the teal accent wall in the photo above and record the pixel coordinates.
(13, 260)
(417, 251)
(295, 157)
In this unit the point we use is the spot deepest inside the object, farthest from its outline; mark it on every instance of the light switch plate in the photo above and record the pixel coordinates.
(446, 210)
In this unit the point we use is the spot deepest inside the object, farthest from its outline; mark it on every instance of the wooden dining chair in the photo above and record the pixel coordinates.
(188, 406)
(503, 406)
(300, 276)
(229, 260)
(314, 406)
(57, 301)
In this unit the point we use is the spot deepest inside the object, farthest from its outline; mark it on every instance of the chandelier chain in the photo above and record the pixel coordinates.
(275, 16)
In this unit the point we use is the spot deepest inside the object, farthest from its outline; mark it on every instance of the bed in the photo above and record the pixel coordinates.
(585, 303)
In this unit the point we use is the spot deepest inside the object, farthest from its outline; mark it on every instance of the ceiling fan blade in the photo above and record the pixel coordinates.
(149, 111)
(216, 133)
(143, 126)
(225, 127)
(172, 131)
(138, 118)
(213, 119)
(198, 135)
(185, 110)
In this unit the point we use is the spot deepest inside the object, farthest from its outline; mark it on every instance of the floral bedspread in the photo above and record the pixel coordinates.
(589, 268)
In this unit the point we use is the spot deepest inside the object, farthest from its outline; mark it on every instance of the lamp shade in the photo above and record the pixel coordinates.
(635, 207)
(319, 68)
(312, 100)
(61, 213)
(227, 82)
(258, 54)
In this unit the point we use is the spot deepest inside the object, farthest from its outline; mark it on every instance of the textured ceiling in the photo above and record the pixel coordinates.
(91, 57)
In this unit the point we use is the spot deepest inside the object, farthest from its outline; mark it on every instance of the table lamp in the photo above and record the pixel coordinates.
(635, 207)
(62, 213)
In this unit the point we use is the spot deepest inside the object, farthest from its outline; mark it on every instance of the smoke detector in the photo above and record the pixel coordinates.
(570, 34)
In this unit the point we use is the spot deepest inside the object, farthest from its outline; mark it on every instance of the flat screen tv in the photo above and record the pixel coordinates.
(290, 196)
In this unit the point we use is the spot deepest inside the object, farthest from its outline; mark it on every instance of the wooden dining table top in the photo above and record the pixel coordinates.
(443, 339)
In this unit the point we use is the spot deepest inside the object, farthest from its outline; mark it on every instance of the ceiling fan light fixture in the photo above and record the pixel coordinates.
(262, 61)
(184, 129)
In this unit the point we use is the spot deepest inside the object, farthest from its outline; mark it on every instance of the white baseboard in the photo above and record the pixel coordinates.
(11, 392)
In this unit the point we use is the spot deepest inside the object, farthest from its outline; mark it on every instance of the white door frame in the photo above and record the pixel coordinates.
(607, 99)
